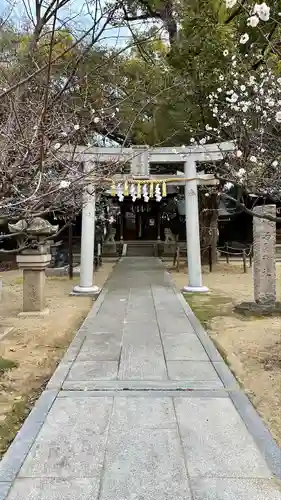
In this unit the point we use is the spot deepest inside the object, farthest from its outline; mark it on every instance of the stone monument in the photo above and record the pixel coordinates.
(33, 261)
(264, 265)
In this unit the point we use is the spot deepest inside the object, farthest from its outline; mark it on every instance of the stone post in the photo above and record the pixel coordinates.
(34, 263)
(86, 286)
(121, 226)
(192, 229)
(264, 245)
(159, 226)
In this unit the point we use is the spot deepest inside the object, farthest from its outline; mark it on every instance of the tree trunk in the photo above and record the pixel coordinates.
(208, 221)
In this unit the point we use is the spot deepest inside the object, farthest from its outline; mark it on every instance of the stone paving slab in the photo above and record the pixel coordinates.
(72, 441)
(102, 347)
(147, 394)
(170, 324)
(55, 489)
(143, 413)
(142, 363)
(216, 442)
(181, 347)
(141, 333)
(111, 424)
(145, 463)
(194, 371)
(4, 488)
(234, 489)
(93, 370)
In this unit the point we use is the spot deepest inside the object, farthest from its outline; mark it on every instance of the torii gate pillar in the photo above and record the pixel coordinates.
(192, 229)
(86, 285)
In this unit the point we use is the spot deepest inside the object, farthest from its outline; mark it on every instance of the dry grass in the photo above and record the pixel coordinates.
(251, 346)
(30, 351)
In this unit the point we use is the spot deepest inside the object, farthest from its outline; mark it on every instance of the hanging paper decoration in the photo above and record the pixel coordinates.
(119, 192)
(138, 190)
(151, 190)
(113, 189)
(145, 193)
(158, 196)
(133, 192)
(164, 189)
(126, 188)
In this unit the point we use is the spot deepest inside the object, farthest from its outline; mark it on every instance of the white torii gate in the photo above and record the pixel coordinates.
(140, 158)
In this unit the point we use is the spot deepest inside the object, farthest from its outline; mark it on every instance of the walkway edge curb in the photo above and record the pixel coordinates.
(254, 423)
(60, 374)
(13, 459)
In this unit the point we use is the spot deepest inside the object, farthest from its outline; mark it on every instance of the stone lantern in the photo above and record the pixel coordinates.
(33, 261)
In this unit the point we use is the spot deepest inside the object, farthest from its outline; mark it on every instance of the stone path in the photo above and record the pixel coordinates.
(142, 407)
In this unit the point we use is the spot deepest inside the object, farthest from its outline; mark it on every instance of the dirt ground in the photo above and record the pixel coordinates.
(32, 347)
(251, 346)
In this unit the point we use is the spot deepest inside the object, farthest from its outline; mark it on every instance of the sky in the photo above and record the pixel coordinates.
(17, 10)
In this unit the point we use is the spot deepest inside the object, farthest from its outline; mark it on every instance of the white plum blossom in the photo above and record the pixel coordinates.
(96, 119)
(64, 184)
(246, 107)
(241, 172)
(57, 145)
(76, 126)
(244, 38)
(253, 21)
(230, 3)
(225, 52)
(234, 97)
(262, 10)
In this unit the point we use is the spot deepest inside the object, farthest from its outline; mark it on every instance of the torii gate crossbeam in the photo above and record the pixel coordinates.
(140, 158)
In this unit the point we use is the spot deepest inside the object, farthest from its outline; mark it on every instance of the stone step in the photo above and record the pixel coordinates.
(140, 250)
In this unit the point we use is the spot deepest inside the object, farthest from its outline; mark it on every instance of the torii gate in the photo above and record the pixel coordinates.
(140, 158)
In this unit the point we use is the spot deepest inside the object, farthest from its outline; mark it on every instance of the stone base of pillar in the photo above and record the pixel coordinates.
(258, 309)
(85, 290)
(44, 312)
(195, 289)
